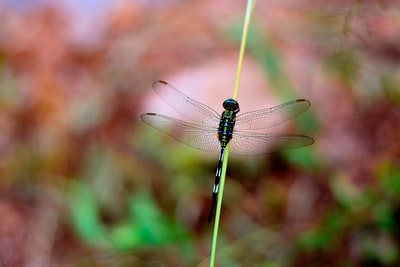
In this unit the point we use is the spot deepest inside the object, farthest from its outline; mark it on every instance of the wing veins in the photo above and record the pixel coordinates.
(198, 136)
(184, 105)
(245, 143)
(270, 117)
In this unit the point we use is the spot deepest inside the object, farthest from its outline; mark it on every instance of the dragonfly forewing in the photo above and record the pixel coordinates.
(270, 117)
(197, 136)
(186, 106)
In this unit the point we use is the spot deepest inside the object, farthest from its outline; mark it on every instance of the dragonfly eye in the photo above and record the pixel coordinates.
(231, 105)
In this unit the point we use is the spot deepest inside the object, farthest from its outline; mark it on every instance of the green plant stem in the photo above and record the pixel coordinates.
(219, 204)
(249, 9)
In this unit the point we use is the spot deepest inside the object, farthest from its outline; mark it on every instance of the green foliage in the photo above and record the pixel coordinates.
(391, 87)
(146, 225)
(345, 64)
(271, 62)
(347, 195)
(303, 157)
(9, 90)
(388, 174)
(365, 219)
(85, 212)
(315, 240)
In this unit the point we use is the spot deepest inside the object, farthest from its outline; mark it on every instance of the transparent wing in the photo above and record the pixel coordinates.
(270, 117)
(247, 144)
(197, 136)
(186, 106)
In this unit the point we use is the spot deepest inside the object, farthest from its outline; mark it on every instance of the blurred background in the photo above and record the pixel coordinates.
(84, 183)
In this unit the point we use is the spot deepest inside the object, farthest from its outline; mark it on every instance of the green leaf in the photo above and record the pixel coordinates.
(303, 157)
(345, 64)
(384, 216)
(84, 211)
(153, 227)
(347, 194)
(315, 240)
(390, 85)
(388, 173)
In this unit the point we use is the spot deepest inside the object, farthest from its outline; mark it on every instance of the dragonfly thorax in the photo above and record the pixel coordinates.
(231, 105)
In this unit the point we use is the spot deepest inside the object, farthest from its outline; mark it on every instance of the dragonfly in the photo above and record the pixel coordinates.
(205, 129)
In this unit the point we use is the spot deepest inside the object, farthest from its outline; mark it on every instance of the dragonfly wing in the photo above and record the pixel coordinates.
(270, 117)
(186, 106)
(247, 144)
(197, 136)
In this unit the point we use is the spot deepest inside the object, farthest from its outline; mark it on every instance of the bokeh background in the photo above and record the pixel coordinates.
(84, 183)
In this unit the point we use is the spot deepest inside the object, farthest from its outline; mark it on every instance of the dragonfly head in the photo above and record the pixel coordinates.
(231, 105)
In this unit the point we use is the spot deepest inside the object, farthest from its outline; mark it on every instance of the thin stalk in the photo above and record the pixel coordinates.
(249, 10)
